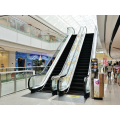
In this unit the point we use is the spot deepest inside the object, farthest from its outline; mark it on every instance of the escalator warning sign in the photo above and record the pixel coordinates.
(73, 96)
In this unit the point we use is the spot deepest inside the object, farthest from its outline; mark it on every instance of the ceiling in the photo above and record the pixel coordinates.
(105, 33)
(75, 21)
(115, 48)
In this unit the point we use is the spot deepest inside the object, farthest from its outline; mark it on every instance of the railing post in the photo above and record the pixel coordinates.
(25, 80)
(0, 86)
(15, 82)
(34, 79)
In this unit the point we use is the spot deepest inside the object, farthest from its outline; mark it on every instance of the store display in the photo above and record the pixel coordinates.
(97, 81)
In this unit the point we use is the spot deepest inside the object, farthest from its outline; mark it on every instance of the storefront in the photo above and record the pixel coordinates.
(4, 56)
(29, 60)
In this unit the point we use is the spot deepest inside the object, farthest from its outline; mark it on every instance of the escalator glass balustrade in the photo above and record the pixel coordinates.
(42, 82)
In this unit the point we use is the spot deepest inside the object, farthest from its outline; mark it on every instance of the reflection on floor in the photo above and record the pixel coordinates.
(111, 97)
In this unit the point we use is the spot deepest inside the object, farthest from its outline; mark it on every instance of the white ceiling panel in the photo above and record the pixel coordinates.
(75, 21)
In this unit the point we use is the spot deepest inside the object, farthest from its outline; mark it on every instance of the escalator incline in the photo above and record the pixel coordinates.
(77, 85)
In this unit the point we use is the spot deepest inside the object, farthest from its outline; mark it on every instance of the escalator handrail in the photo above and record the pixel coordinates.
(72, 28)
(47, 63)
(68, 85)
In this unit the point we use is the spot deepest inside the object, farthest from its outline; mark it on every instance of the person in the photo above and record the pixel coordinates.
(109, 70)
(118, 72)
(115, 70)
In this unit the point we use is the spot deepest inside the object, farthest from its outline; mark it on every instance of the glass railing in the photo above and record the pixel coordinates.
(33, 78)
(37, 69)
(21, 27)
(13, 81)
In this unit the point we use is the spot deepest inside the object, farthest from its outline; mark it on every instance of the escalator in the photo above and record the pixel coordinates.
(74, 78)
(46, 84)
(77, 85)
(59, 65)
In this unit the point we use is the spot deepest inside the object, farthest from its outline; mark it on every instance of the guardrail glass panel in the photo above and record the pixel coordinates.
(38, 34)
(27, 29)
(7, 83)
(3, 21)
(11, 23)
(20, 26)
(33, 31)
(13, 81)
(20, 81)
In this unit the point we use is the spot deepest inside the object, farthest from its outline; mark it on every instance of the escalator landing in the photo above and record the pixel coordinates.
(39, 95)
(71, 98)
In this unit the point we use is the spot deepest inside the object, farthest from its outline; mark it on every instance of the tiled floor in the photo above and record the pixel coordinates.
(112, 97)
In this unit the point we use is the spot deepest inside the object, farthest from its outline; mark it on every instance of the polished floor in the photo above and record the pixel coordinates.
(111, 97)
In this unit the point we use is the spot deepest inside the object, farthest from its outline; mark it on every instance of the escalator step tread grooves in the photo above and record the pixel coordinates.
(77, 86)
(60, 63)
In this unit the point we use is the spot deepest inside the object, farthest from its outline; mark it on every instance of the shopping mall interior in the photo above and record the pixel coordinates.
(59, 60)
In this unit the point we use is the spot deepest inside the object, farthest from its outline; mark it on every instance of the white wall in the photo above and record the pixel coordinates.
(19, 38)
(11, 59)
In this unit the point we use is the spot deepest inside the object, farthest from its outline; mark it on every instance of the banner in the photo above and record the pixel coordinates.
(104, 61)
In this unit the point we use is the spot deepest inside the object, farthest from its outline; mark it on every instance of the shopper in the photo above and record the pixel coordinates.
(115, 70)
(118, 72)
(109, 70)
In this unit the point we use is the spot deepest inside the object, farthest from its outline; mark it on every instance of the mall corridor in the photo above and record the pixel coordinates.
(111, 97)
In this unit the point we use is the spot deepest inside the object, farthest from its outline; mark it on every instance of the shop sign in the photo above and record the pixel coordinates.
(104, 61)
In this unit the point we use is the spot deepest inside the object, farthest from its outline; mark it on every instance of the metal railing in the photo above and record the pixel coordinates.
(21, 27)
(38, 69)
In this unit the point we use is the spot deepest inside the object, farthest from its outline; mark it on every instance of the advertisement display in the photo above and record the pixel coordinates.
(96, 88)
(104, 61)
(29, 60)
